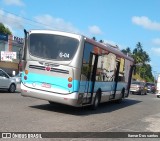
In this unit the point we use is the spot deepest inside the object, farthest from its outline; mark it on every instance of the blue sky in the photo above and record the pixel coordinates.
(119, 22)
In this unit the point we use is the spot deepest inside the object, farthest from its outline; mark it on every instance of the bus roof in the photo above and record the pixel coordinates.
(110, 48)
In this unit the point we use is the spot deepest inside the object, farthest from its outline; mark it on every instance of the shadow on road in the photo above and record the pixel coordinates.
(6, 92)
(84, 111)
(3, 91)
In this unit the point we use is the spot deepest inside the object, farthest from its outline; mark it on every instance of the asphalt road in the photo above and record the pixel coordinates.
(138, 113)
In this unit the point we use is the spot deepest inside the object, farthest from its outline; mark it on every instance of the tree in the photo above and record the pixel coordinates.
(94, 38)
(126, 51)
(4, 29)
(141, 56)
(101, 41)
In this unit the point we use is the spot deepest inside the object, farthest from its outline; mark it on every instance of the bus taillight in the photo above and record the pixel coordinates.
(26, 71)
(70, 79)
(69, 85)
(25, 77)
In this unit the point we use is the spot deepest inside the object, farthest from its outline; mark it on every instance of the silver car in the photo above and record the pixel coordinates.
(7, 82)
(138, 88)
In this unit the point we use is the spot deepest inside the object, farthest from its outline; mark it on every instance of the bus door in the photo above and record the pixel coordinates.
(91, 77)
(129, 79)
(113, 93)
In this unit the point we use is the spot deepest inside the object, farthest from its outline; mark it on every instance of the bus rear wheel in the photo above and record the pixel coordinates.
(122, 96)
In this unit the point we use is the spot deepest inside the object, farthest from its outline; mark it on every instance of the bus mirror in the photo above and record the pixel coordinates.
(25, 45)
(25, 32)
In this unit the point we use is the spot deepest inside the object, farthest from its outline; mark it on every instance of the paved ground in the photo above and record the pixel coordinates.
(135, 114)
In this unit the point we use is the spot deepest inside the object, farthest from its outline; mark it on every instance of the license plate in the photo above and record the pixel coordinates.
(46, 85)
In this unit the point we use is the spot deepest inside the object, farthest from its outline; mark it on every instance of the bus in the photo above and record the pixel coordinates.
(74, 70)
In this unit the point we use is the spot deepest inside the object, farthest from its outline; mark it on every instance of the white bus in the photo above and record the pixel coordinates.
(72, 69)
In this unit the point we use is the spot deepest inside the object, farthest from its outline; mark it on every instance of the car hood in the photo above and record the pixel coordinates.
(13, 78)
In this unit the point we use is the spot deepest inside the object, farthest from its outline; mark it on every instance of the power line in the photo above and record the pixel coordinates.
(25, 19)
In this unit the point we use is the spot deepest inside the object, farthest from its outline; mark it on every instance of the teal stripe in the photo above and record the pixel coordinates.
(57, 82)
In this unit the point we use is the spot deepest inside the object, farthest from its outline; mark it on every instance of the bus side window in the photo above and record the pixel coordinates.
(85, 71)
(83, 77)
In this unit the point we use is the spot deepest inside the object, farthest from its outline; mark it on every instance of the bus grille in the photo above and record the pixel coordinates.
(52, 69)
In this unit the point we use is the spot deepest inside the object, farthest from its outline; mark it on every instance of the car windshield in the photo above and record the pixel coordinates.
(49, 46)
(150, 84)
(138, 83)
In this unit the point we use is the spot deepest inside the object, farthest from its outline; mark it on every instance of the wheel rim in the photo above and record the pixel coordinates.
(12, 88)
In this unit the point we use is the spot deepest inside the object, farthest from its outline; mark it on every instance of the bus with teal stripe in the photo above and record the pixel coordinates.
(72, 69)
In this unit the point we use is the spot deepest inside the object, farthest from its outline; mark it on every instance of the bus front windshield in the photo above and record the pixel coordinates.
(49, 46)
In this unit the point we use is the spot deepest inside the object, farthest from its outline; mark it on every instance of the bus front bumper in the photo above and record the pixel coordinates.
(67, 99)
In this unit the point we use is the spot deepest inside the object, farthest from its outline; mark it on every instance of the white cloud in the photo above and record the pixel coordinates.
(95, 30)
(146, 22)
(55, 23)
(156, 51)
(11, 21)
(15, 23)
(14, 2)
(156, 42)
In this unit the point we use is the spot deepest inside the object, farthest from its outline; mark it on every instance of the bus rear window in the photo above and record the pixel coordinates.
(49, 46)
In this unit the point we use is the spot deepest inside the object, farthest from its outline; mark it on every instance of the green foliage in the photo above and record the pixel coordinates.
(101, 41)
(94, 38)
(144, 72)
(4, 29)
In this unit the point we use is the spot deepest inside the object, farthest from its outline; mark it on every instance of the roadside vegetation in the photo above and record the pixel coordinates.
(143, 70)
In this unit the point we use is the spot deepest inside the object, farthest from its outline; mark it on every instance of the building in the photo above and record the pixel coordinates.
(10, 52)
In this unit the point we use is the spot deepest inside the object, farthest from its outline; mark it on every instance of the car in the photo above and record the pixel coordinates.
(138, 88)
(18, 77)
(158, 87)
(7, 82)
(158, 95)
(151, 87)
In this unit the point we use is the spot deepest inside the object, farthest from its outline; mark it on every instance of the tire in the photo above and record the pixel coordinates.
(12, 88)
(158, 96)
(120, 100)
(96, 102)
(145, 93)
(140, 93)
